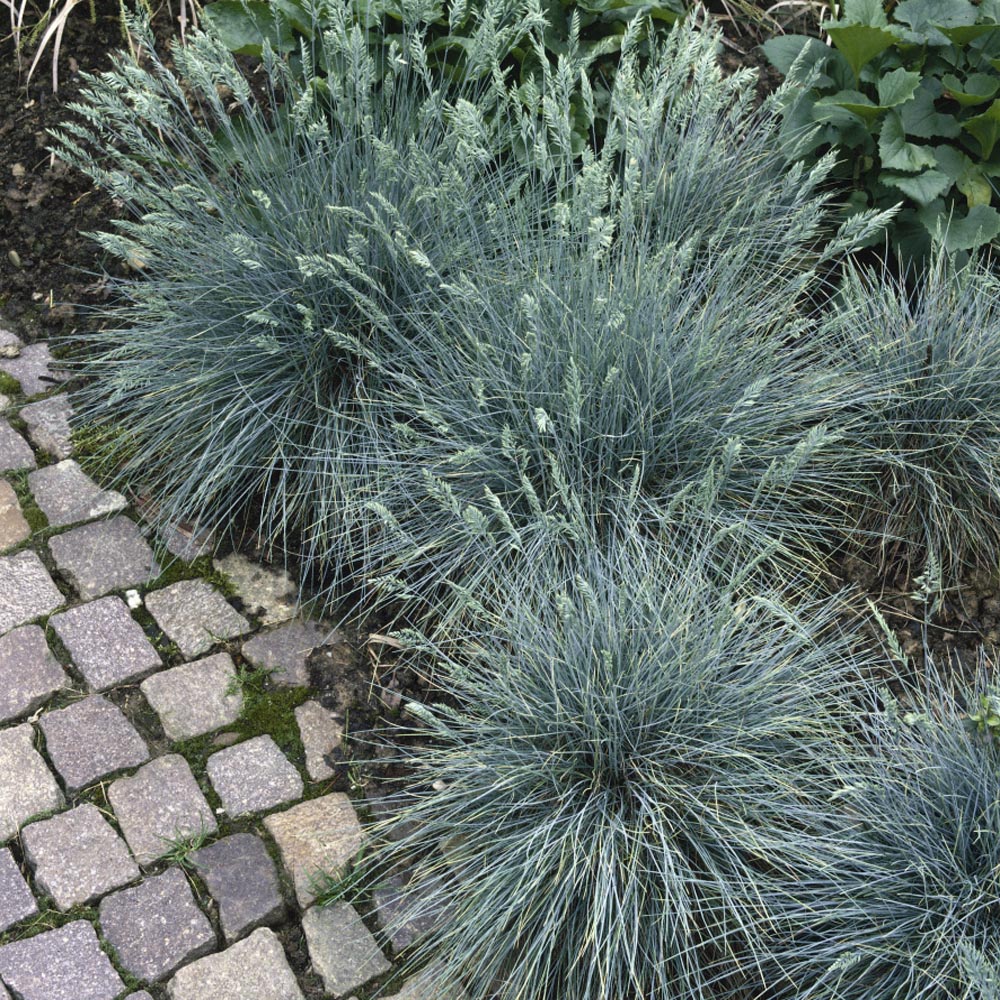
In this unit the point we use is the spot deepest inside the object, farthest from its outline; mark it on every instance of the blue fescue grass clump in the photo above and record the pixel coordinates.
(926, 356)
(632, 790)
(920, 917)
(405, 356)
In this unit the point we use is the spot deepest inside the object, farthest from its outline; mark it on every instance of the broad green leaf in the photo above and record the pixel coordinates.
(896, 87)
(783, 50)
(243, 28)
(869, 12)
(859, 43)
(922, 119)
(977, 88)
(976, 188)
(898, 154)
(921, 14)
(921, 188)
(966, 33)
(852, 101)
(986, 128)
(980, 226)
(953, 162)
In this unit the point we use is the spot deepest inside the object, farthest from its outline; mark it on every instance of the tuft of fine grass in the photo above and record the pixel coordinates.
(628, 787)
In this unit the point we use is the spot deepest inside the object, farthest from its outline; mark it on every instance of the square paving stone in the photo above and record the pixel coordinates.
(29, 673)
(316, 837)
(15, 452)
(33, 369)
(284, 651)
(16, 901)
(195, 698)
(341, 948)
(243, 881)
(156, 927)
(321, 734)
(66, 494)
(13, 527)
(195, 616)
(253, 776)
(64, 964)
(107, 645)
(253, 969)
(27, 787)
(141, 995)
(77, 856)
(48, 425)
(106, 555)
(26, 590)
(90, 740)
(159, 805)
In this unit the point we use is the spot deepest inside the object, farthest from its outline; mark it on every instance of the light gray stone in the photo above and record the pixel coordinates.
(10, 344)
(321, 734)
(195, 616)
(90, 740)
(64, 964)
(66, 494)
(253, 776)
(141, 995)
(159, 805)
(253, 969)
(16, 900)
(315, 838)
(107, 645)
(284, 652)
(14, 529)
(77, 856)
(187, 542)
(26, 590)
(27, 787)
(156, 927)
(29, 673)
(15, 452)
(35, 369)
(426, 985)
(48, 425)
(103, 556)
(243, 881)
(195, 698)
(341, 948)
(5, 402)
(394, 896)
(266, 592)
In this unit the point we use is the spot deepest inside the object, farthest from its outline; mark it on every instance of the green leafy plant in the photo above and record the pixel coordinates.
(630, 793)
(985, 718)
(908, 96)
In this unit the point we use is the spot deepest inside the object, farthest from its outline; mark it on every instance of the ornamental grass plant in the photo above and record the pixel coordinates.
(632, 796)
(926, 355)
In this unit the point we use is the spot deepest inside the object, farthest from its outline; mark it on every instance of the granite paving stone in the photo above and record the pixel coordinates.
(16, 901)
(66, 494)
(14, 529)
(424, 986)
(341, 948)
(195, 616)
(321, 734)
(253, 776)
(63, 964)
(5, 402)
(195, 698)
(89, 740)
(106, 644)
(77, 856)
(26, 590)
(394, 895)
(29, 673)
(34, 369)
(284, 651)
(252, 969)
(27, 787)
(15, 452)
(141, 995)
(315, 837)
(48, 425)
(240, 875)
(156, 927)
(158, 805)
(10, 344)
(103, 556)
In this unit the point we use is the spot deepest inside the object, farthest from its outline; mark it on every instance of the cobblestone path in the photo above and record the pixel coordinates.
(162, 821)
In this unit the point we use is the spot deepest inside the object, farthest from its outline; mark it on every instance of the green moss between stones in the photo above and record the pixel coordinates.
(9, 385)
(174, 570)
(37, 521)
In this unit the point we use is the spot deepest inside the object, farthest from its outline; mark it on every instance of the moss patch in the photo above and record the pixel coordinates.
(37, 521)
(268, 710)
(175, 570)
(9, 385)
